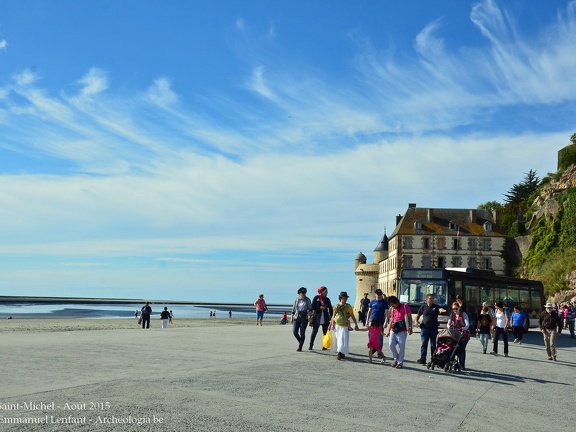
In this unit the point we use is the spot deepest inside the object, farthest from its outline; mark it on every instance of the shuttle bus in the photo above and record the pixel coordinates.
(474, 286)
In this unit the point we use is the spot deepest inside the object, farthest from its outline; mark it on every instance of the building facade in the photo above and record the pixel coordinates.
(432, 238)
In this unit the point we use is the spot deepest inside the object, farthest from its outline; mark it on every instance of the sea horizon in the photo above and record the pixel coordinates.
(75, 307)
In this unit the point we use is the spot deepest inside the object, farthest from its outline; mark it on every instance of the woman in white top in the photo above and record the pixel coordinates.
(500, 325)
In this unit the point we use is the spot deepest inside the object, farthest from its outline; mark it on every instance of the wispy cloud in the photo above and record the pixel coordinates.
(3, 44)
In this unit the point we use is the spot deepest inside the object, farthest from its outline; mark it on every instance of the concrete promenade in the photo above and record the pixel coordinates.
(249, 378)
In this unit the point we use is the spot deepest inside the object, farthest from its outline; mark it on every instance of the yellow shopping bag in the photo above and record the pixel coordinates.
(327, 340)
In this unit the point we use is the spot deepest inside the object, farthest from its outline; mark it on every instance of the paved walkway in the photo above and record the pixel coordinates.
(249, 378)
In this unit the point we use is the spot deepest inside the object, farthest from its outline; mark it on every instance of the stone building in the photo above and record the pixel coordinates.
(432, 238)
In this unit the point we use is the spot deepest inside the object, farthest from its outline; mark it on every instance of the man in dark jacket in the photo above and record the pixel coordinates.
(550, 325)
(322, 307)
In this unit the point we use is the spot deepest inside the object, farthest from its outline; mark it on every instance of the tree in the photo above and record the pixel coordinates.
(573, 138)
(520, 192)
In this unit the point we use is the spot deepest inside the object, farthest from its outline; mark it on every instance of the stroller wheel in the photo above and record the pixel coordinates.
(428, 365)
(456, 368)
(447, 368)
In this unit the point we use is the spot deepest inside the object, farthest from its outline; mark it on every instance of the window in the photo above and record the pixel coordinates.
(472, 244)
(487, 226)
(418, 225)
(486, 264)
(441, 242)
(455, 243)
(407, 261)
(471, 262)
(452, 226)
(441, 262)
(486, 245)
(407, 242)
(425, 243)
(426, 263)
(457, 261)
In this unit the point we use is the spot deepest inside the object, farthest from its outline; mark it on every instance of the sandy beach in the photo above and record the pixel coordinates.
(73, 324)
(231, 375)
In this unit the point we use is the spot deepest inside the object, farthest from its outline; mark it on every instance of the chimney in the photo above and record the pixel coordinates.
(429, 215)
(412, 205)
(471, 216)
(398, 219)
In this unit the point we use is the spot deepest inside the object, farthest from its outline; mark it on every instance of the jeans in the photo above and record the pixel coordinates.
(315, 328)
(462, 355)
(497, 332)
(400, 340)
(428, 335)
(518, 331)
(571, 328)
(145, 320)
(299, 330)
(484, 339)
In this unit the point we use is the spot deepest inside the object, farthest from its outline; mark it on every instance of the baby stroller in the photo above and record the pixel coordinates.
(446, 354)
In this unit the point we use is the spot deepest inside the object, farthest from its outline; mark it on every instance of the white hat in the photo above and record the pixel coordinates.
(550, 305)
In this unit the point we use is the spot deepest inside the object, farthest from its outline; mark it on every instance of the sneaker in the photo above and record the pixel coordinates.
(494, 353)
(554, 358)
(340, 356)
(515, 341)
(519, 342)
(421, 361)
(299, 349)
(310, 348)
(549, 358)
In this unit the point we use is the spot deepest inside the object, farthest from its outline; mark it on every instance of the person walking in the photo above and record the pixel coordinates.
(374, 330)
(500, 325)
(459, 320)
(570, 318)
(300, 314)
(378, 309)
(364, 306)
(429, 326)
(165, 317)
(551, 326)
(340, 323)
(260, 309)
(519, 322)
(145, 313)
(398, 330)
(483, 327)
(322, 308)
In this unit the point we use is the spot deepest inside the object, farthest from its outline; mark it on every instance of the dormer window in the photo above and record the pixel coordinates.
(452, 226)
(418, 225)
(488, 226)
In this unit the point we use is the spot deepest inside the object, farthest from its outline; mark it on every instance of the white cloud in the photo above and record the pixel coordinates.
(160, 92)
(3, 44)
(94, 82)
(25, 77)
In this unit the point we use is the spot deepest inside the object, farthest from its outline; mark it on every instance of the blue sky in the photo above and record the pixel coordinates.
(193, 150)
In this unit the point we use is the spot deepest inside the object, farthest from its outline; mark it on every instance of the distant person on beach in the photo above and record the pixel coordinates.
(165, 317)
(322, 307)
(145, 313)
(136, 313)
(300, 315)
(284, 319)
(261, 307)
(229, 314)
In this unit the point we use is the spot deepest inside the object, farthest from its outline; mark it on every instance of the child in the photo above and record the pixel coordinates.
(444, 346)
(374, 332)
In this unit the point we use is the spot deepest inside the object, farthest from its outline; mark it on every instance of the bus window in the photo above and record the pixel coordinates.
(472, 298)
(511, 298)
(499, 294)
(486, 295)
(458, 289)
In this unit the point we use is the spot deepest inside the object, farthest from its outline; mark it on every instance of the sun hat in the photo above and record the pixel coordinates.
(343, 294)
(550, 305)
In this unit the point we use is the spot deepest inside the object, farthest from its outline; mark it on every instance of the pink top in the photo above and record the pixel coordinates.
(374, 338)
(399, 315)
(260, 304)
